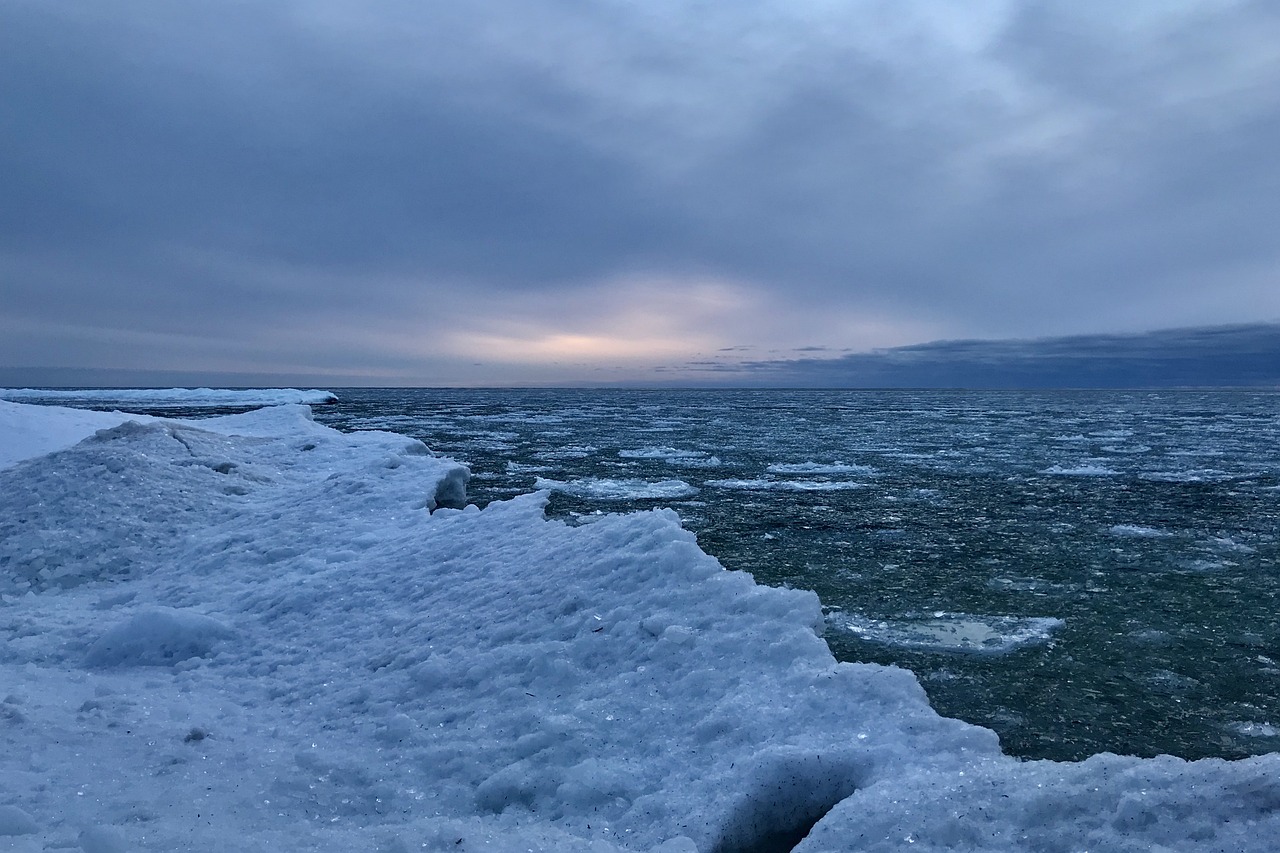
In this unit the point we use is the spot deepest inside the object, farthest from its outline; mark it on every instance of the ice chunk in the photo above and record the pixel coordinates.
(956, 632)
(819, 468)
(1138, 531)
(667, 453)
(1082, 470)
(596, 488)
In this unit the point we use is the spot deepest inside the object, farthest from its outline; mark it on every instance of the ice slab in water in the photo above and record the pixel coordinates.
(956, 632)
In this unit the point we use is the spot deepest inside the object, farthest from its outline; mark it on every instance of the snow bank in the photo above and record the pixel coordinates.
(253, 634)
(171, 397)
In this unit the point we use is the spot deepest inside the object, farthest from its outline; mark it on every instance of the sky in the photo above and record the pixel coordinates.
(571, 192)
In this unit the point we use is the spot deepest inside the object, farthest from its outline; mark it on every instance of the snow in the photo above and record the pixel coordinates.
(157, 398)
(254, 633)
(30, 431)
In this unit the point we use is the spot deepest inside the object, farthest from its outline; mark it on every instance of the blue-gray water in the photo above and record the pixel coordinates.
(1080, 571)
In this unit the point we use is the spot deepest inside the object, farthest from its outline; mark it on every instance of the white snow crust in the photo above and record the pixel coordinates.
(252, 634)
(172, 397)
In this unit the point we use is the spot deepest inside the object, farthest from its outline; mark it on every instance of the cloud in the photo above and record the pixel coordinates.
(1217, 356)
(342, 186)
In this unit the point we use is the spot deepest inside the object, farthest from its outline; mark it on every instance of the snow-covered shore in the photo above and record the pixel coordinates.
(252, 633)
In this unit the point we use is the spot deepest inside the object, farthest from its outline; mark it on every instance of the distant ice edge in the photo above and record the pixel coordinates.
(252, 628)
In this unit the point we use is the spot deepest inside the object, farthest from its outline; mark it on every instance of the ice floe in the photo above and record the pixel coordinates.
(955, 632)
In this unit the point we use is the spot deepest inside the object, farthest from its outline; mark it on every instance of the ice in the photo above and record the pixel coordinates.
(259, 634)
(1083, 470)
(673, 456)
(766, 485)
(597, 488)
(955, 632)
(159, 398)
(1138, 531)
(819, 468)
(1197, 475)
(666, 453)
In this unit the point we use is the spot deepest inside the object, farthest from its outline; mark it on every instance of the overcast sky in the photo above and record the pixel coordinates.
(568, 191)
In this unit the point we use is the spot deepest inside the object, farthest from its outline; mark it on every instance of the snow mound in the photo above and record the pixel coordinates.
(159, 636)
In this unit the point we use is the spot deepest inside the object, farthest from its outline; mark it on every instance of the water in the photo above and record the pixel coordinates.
(1079, 571)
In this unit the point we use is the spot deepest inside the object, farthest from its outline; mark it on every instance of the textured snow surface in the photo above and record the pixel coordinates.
(251, 633)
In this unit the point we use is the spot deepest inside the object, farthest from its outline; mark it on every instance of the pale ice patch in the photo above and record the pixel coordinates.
(568, 451)
(819, 468)
(172, 397)
(660, 453)
(1229, 545)
(1083, 470)
(955, 632)
(1196, 475)
(683, 458)
(599, 488)
(1251, 729)
(767, 485)
(692, 462)
(1138, 531)
(525, 468)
